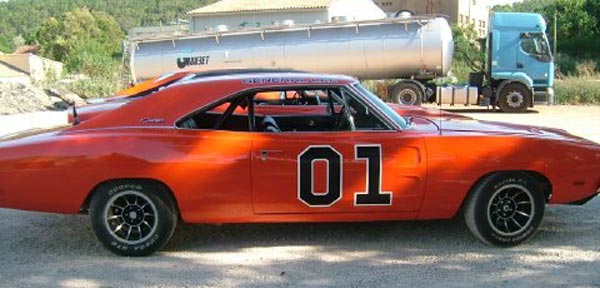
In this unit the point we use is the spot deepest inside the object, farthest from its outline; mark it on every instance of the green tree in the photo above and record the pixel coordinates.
(24, 17)
(51, 38)
(467, 47)
(5, 46)
(81, 37)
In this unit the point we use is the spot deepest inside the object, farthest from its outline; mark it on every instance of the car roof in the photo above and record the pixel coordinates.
(182, 98)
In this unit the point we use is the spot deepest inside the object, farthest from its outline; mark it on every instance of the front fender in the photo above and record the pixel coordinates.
(507, 77)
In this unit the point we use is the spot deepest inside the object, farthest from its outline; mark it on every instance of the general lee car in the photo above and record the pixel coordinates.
(221, 150)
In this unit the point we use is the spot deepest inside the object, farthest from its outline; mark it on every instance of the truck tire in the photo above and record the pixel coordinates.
(514, 98)
(505, 209)
(407, 94)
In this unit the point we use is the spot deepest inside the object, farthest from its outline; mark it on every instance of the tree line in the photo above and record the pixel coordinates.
(20, 20)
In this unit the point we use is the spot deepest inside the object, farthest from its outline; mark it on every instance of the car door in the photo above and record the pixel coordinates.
(339, 171)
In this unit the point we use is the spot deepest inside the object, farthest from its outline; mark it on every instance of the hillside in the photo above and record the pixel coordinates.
(24, 17)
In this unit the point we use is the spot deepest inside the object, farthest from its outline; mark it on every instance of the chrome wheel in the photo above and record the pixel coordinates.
(131, 217)
(515, 99)
(511, 210)
(407, 97)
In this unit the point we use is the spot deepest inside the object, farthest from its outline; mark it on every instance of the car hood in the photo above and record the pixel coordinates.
(470, 126)
(418, 111)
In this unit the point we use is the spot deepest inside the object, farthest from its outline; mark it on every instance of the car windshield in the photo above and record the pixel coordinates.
(389, 112)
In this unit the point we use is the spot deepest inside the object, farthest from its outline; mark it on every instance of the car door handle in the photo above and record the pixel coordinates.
(520, 65)
(265, 153)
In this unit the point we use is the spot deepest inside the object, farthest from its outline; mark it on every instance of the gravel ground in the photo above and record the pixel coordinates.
(21, 98)
(45, 250)
(34, 120)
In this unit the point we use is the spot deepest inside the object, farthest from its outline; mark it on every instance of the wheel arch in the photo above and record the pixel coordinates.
(540, 178)
(526, 85)
(420, 85)
(85, 206)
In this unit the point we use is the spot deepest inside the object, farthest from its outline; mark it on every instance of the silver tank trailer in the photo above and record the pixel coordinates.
(383, 49)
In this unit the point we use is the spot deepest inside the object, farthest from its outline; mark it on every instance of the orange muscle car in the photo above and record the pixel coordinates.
(217, 150)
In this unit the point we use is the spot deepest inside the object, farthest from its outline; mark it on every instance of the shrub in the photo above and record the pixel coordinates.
(95, 87)
(576, 91)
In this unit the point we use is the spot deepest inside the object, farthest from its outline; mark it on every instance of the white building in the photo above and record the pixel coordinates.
(28, 68)
(235, 14)
(461, 12)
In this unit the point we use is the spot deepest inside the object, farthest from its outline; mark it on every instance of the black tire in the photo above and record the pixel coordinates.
(496, 208)
(514, 98)
(407, 94)
(132, 217)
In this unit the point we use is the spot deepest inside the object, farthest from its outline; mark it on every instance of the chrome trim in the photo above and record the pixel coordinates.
(80, 131)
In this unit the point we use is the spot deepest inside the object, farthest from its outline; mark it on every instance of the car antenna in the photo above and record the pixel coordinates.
(440, 116)
(75, 116)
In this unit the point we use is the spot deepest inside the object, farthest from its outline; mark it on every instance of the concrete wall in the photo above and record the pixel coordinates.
(355, 10)
(351, 10)
(37, 68)
(18, 61)
(476, 13)
(462, 12)
(41, 68)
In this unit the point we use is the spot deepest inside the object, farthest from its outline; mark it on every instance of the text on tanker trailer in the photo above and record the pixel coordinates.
(414, 50)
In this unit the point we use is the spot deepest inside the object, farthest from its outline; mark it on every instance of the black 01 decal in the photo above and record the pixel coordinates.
(306, 161)
(374, 196)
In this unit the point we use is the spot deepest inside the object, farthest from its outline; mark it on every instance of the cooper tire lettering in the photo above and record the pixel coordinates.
(306, 161)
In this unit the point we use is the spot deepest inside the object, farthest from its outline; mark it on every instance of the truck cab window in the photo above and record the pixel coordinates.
(535, 44)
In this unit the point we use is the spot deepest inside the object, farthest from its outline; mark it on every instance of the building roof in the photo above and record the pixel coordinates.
(237, 6)
(8, 71)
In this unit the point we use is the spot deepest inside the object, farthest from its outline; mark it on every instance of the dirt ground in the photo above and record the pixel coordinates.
(45, 250)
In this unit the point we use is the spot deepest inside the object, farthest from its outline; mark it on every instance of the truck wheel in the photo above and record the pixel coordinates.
(407, 94)
(132, 218)
(514, 97)
(505, 209)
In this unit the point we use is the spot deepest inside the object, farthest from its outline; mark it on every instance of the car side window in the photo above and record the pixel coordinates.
(287, 110)
(300, 110)
(230, 115)
(363, 117)
(291, 97)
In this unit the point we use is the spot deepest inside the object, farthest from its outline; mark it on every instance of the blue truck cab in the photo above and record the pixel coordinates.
(520, 66)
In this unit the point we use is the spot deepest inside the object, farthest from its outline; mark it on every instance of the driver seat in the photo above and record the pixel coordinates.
(270, 125)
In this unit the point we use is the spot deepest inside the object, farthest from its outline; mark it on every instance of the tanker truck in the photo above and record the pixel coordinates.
(412, 50)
